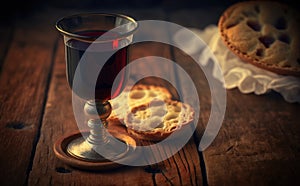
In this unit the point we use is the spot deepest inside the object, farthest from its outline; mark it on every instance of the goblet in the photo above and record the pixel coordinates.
(96, 50)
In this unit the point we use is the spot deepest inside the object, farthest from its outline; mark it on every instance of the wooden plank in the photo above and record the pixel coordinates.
(204, 97)
(259, 140)
(183, 168)
(23, 88)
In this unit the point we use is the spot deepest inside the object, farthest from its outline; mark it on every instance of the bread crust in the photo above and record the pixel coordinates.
(149, 136)
(263, 35)
(169, 125)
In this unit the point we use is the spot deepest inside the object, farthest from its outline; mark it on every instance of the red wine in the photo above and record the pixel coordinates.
(95, 56)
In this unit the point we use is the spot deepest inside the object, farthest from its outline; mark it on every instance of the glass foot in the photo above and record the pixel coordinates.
(113, 149)
(95, 161)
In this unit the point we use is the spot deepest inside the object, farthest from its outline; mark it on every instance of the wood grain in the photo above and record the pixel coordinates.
(258, 150)
(23, 83)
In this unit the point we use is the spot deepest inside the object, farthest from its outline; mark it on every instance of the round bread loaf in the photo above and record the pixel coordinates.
(263, 33)
(158, 119)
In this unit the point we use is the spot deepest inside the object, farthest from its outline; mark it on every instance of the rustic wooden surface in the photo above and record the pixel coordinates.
(258, 143)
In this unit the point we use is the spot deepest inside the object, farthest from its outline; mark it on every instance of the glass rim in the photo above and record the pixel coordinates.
(88, 38)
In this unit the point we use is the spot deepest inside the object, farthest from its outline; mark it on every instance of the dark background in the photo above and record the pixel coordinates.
(22, 7)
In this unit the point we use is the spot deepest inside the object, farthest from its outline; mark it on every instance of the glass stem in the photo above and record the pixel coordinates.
(97, 112)
(98, 133)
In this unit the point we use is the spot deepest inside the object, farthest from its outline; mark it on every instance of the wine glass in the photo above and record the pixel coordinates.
(96, 50)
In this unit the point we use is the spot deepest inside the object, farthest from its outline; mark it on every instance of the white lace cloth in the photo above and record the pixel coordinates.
(246, 77)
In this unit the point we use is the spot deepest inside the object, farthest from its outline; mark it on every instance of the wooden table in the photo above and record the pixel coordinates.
(258, 143)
